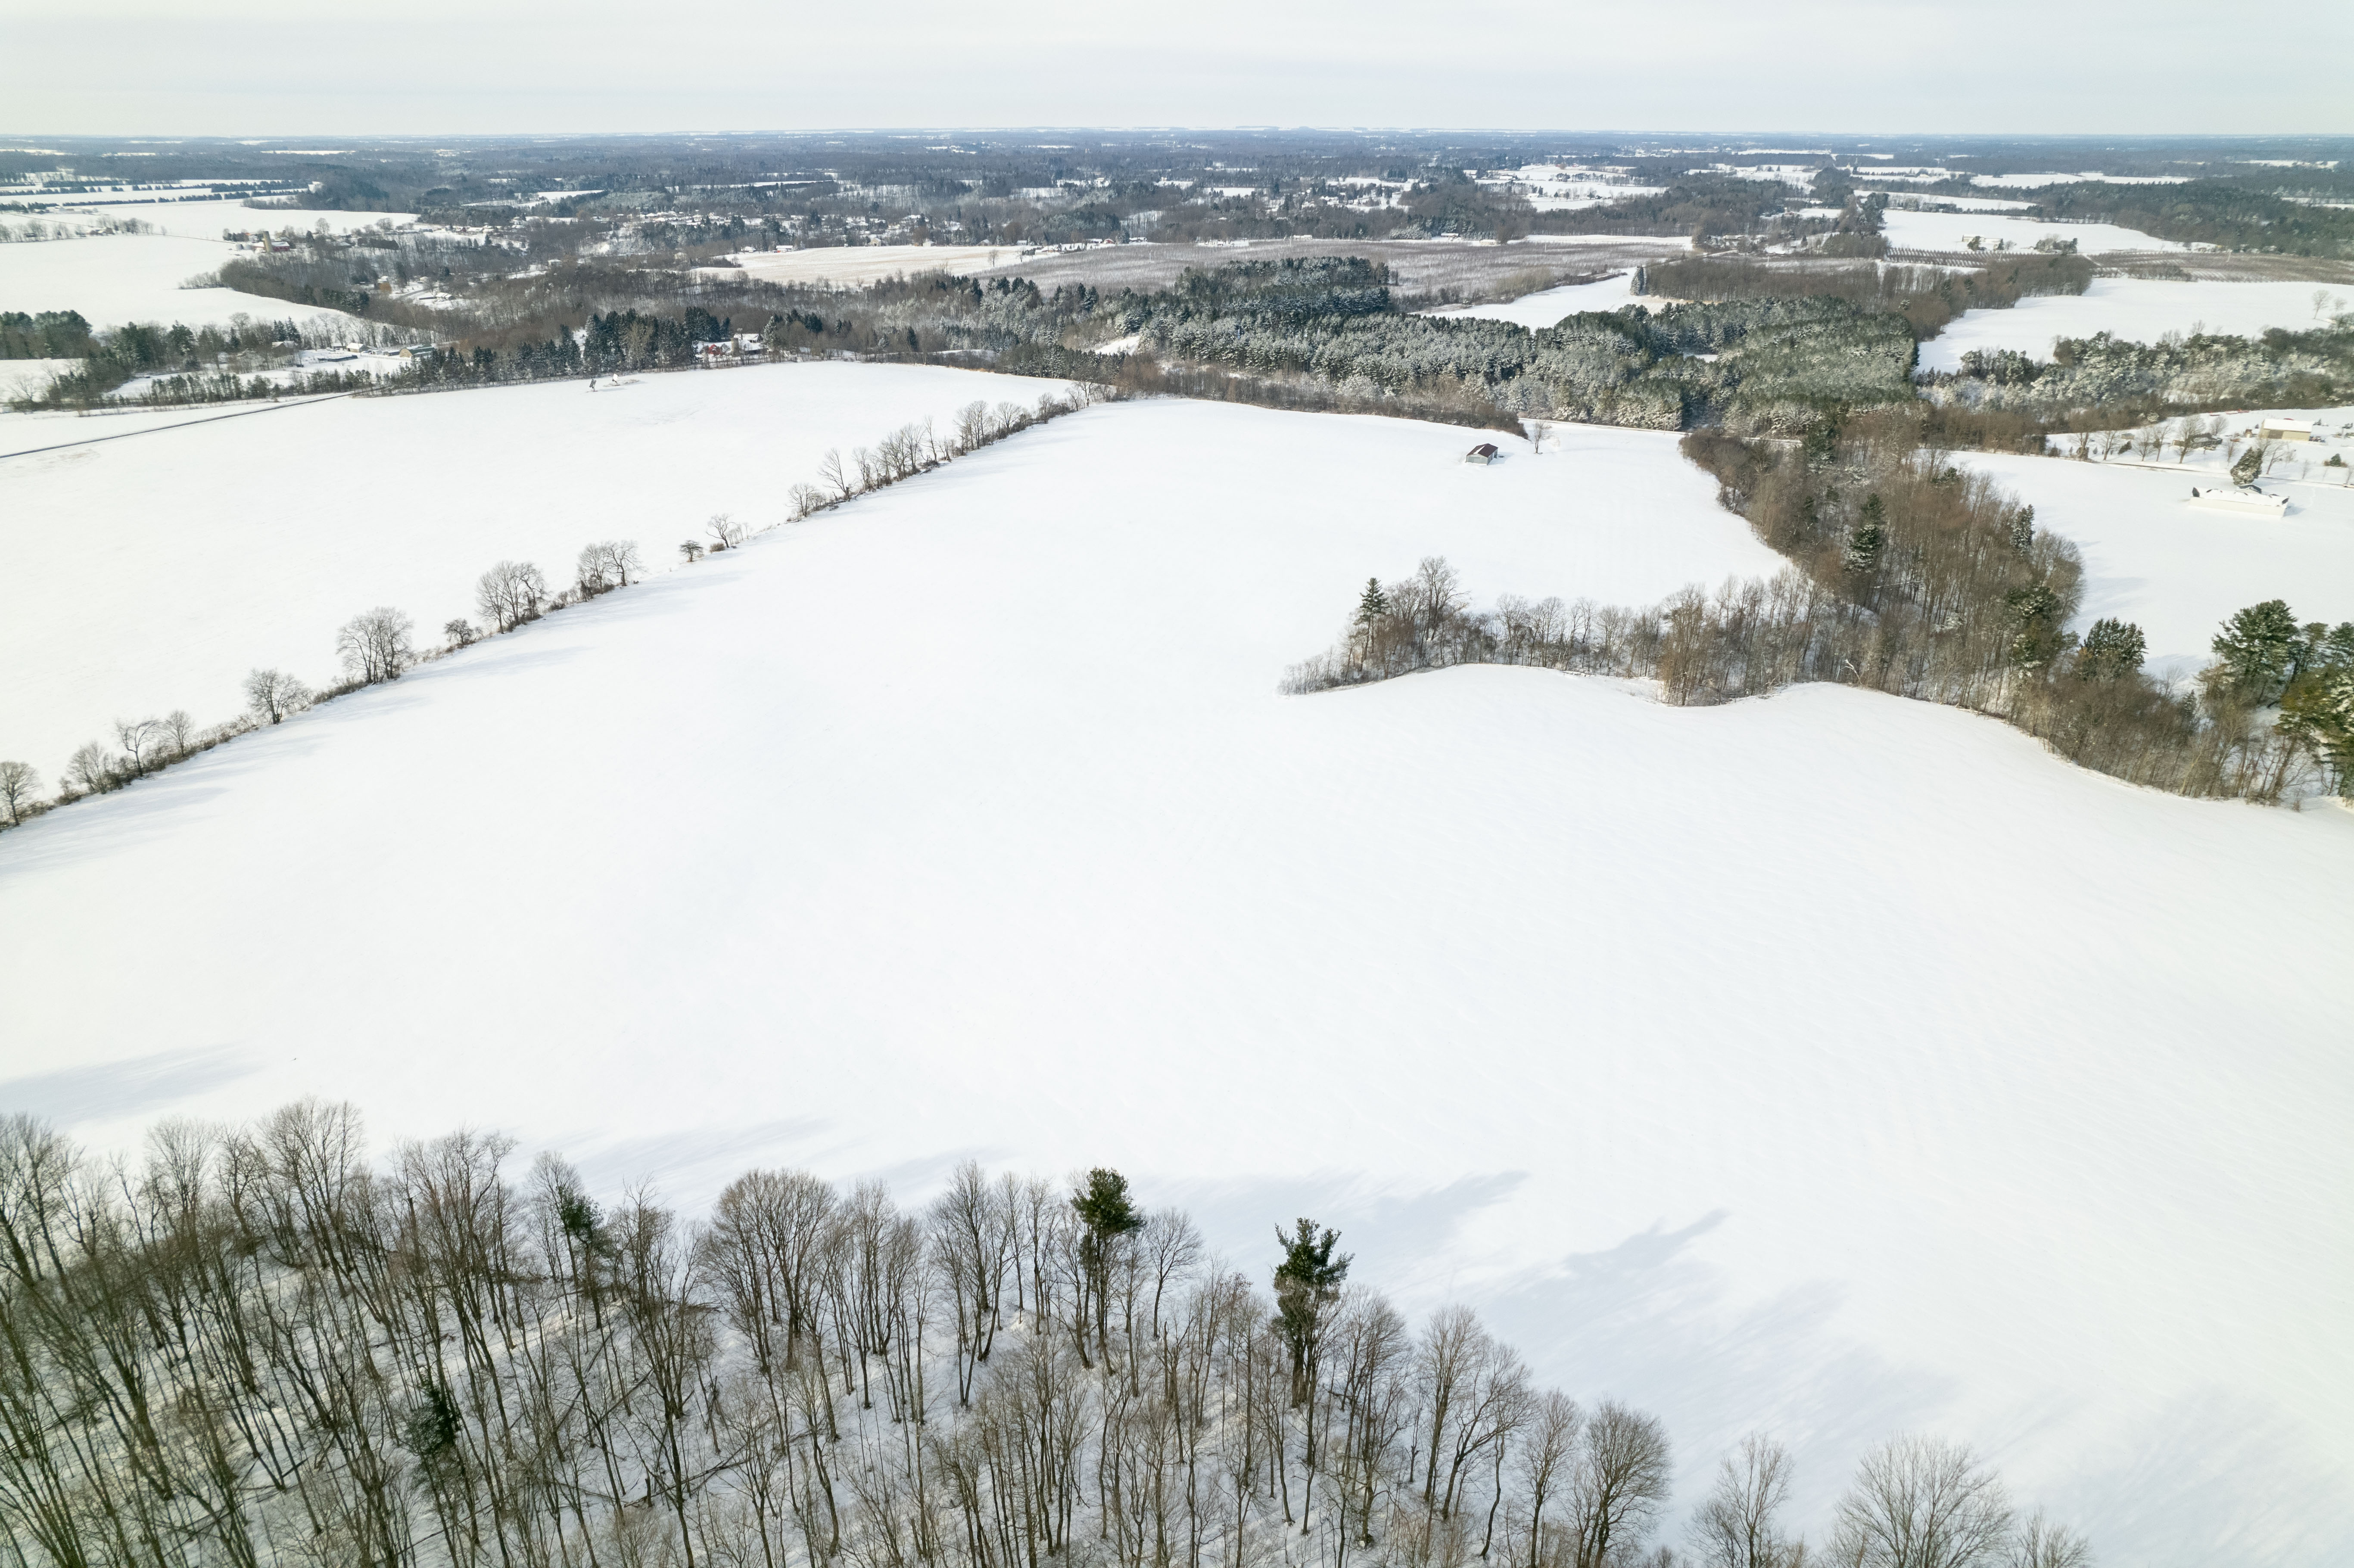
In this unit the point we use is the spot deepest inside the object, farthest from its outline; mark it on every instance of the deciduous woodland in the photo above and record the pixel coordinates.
(261, 1347)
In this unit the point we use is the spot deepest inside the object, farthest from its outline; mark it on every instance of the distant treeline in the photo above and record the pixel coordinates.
(2280, 368)
(1926, 297)
(51, 335)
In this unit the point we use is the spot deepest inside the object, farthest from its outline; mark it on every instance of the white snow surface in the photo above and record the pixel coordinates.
(1829, 1063)
(208, 219)
(1949, 230)
(2179, 570)
(848, 265)
(2138, 309)
(116, 277)
(1547, 306)
(231, 544)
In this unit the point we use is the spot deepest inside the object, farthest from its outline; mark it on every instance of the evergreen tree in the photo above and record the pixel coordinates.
(1866, 538)
(1106, 1216)
(1372, 605)
(2034, 612)
(2023, 529)
(2112, 649)
(2319, 711)
(1307, 1281)
(2261, 647)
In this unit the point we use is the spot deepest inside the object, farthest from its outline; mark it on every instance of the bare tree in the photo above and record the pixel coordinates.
(271, 694)
(1620, 1483)
(90, 770)
(373, 645)
(18, 784)
(835, 478)
(1918, 1503)
(972, 428)
(1547, 1462)
(460, 631)
(2040, 1543)
(136, 736)
(725, 533)
(179, 732)
(608, 565)
(1738, 1524)
(806, 499)
(691, 551)
(510, 594)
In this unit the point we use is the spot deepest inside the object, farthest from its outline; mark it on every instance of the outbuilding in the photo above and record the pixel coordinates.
(1485, 452)
(2286, 430)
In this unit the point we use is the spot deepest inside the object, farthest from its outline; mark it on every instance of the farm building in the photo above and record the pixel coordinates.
(2286, 430)
(1485, 452)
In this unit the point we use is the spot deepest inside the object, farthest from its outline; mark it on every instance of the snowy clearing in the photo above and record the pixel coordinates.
(851, 265)
(1547, 306)
(116, 277)
(1714, 1052)
(2140, 310)
(246, 541)
(208, 219)
(1951, 231)
(2179, 570)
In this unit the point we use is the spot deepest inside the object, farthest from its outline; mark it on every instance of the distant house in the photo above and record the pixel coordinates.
(2286, 430)
(1485, 452)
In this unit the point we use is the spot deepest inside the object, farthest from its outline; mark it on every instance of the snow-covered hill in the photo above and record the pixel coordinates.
(1829, 1063)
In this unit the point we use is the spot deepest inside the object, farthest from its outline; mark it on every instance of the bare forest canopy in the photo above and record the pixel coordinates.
(262, 1348)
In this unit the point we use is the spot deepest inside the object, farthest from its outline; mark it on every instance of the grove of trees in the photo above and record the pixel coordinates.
(258, 1347)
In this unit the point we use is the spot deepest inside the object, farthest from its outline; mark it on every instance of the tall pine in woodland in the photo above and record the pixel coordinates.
(1307, 1281)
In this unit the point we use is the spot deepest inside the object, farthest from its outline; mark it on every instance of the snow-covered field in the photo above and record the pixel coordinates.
(116, 277)
(242, 542)
(1717, 1054)
(856, 265)
(208, 219)
(1547, 306)
(2176, 569)
(1952, 230)
(2141, 310)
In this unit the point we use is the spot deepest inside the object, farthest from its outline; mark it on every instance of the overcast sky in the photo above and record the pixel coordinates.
(278, 67)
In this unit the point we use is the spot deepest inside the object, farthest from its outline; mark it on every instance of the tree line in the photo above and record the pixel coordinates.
(1926, 297)
(2137, 382)
(381, 643)
(1912, 578)
(260, 1347)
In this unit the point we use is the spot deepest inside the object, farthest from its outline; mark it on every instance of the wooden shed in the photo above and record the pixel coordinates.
(1485, 452)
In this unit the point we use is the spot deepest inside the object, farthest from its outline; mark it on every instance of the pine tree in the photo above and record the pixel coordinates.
(2319, 711)
(2261, 647)
(1307, 1281)
(1866, 538)
(1372, 605)
(2023, 529)
(1106, 1214)
(2112, 649)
